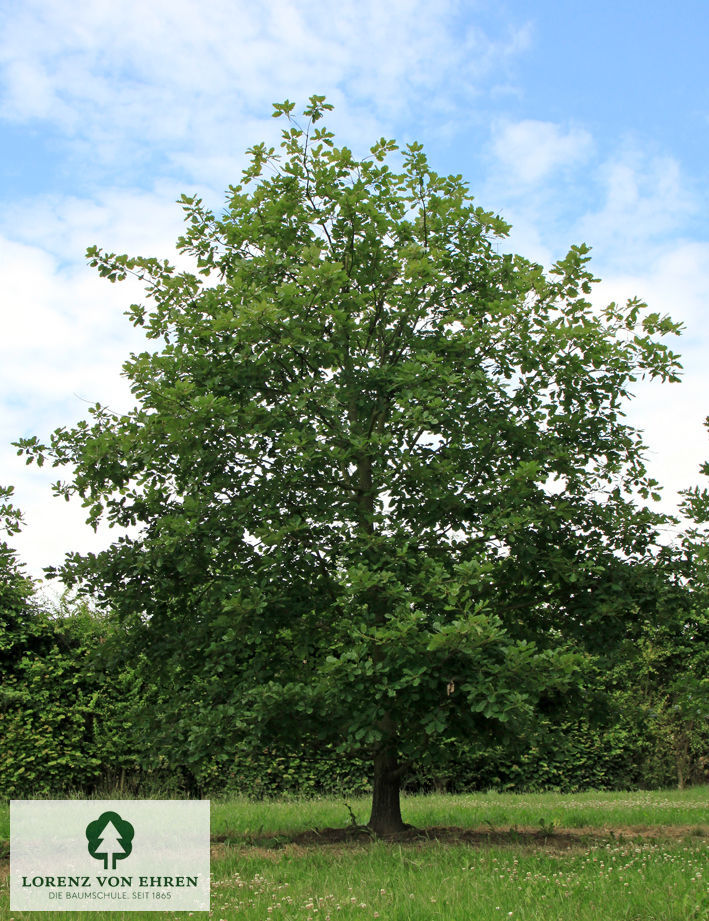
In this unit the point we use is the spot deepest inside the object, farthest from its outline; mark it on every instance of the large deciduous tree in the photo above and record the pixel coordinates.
(379, 468)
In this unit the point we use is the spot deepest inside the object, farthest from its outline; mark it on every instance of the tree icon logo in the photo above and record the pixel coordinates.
(110, 839)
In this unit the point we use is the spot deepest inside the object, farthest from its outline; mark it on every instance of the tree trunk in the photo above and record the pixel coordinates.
(682, 759)
(386, 807)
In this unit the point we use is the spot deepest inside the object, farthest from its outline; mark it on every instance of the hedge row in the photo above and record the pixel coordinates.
(69, 722)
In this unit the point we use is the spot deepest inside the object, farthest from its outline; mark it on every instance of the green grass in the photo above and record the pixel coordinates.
(628, 878)
(476, 810)
(634, 881)
(239, 816)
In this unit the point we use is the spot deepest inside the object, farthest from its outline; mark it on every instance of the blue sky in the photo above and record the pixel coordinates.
(577, 122)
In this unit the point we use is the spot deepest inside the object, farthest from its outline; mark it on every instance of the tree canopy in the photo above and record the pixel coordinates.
(379, 468)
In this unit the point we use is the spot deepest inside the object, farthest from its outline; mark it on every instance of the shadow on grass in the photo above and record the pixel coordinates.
(543, 838)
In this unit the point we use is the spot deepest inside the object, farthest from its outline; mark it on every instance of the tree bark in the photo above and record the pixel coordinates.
(385, 818)
(386, 806)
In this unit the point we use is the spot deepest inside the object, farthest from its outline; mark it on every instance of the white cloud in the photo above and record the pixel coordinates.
(631, 208)
(628, 205)
(120, 77)
(671, 416)
(639, 251)
(123, 220)
(676, 281)
(529, 152)
(645, 198)
(65, 335)
(65, 339)
(534, 178)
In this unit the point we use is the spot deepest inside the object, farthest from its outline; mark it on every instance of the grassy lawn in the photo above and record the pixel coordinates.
(546, 857)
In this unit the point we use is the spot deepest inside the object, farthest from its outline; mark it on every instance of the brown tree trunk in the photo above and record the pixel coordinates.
(386, 807)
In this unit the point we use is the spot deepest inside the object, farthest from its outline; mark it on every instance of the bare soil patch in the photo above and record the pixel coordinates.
(556, 839)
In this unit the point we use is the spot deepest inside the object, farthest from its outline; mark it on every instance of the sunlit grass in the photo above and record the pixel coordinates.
(637, 881)
(475, 810)
(640, 881)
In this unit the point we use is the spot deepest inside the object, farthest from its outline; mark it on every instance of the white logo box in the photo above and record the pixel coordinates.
(109, 855)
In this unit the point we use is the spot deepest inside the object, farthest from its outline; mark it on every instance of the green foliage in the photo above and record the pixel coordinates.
(10, 515)
(378, 468)
(45, 706)
(305, 771)
(59, 714)
(16, 591)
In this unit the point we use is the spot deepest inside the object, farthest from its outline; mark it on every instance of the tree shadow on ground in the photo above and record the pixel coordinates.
(545, 838)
